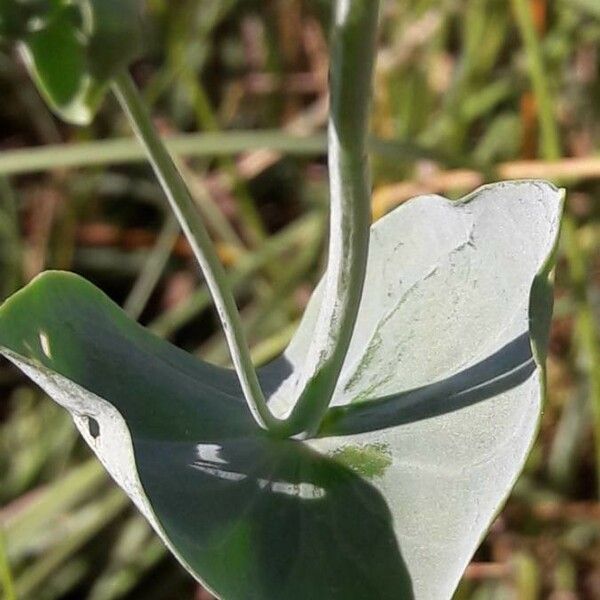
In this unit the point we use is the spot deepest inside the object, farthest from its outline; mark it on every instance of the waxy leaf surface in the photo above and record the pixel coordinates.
(434, 413)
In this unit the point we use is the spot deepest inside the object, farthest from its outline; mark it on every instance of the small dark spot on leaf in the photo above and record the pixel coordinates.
(93, 427)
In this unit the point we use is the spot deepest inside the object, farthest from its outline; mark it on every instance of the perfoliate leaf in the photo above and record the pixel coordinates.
(433, 415)
(73, 48)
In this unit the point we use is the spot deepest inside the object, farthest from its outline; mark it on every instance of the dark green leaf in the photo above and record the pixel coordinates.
(253, 517)
(73, 49)
(55, 55)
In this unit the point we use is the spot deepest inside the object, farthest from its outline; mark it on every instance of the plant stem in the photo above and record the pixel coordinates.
(207, 120)
(294, 236)
(352, 60)
(185, 210)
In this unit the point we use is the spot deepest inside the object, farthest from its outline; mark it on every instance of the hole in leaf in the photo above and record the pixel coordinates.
(93, 427)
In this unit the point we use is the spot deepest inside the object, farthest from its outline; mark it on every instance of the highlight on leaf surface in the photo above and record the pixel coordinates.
(433, 415)
(73, 48)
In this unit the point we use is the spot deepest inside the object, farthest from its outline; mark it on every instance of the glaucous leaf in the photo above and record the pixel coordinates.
(433, 416)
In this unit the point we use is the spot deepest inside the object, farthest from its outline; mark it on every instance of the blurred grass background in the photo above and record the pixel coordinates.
(466, 91)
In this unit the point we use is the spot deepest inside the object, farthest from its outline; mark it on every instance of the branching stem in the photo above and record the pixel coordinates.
(191, 223)
(352, 59)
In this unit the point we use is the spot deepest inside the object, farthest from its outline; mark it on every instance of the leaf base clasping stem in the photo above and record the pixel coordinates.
(352, 60)
(183, 206)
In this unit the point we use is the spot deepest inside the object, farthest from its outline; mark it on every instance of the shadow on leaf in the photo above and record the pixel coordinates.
(262, 518)
(504, 370)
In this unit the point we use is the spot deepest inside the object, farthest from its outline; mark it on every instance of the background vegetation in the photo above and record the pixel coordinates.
(466, 91)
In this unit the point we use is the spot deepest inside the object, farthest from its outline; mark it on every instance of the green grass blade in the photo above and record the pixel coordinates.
(6, 577)
(587, 328)
(125, 150)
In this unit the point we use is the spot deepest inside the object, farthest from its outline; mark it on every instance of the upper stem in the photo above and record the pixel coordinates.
(353, 47)
(189, 219)
(352, 60)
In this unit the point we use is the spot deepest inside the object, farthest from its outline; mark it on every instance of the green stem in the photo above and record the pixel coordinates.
(195, 145)
(207, 120)
(214, 274)
(270, 312)
(352, 60)
(292, 237)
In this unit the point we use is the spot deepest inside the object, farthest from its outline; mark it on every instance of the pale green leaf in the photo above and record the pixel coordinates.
(433, 415)
(445, 370)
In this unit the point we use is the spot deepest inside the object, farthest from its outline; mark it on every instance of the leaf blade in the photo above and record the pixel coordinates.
(219, 490)
(208, 480)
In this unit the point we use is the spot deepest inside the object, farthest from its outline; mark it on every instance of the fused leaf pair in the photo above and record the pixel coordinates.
(431, 420)
(73, 48)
